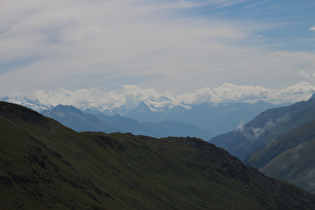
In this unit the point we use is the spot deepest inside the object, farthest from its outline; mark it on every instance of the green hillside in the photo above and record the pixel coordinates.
(295, 165)
(45, 165)
(285, 142)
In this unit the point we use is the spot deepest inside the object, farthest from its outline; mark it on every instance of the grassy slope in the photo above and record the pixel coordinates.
(285, 142)
(45, 165)
(295, 165)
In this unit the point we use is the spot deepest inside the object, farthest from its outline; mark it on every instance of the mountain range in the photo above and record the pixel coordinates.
(206, 119)
(80, 121)
(47, 165)
(77, 120)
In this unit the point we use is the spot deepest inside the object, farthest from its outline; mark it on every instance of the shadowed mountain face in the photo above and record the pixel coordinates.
(266, 128)
(290, 157)
(285, 142)
(46, 165)
(295, 165)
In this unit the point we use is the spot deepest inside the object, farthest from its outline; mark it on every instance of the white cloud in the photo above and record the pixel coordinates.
(131, 96)
(304, 74)
(312, 28)
(253, 133)
(104, 41)
(229, 91)
(294, 93)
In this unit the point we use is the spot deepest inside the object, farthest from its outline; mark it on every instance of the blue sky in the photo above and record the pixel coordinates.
(292, 19)
(287, 23)
(175, 46)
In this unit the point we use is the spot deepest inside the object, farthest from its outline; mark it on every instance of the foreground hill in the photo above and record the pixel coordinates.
(46, 165)
(265, 128)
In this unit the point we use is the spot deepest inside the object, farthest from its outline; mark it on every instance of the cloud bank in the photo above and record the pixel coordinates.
(131, 96)
(165, 45)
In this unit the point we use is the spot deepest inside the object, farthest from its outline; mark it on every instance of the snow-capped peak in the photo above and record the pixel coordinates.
(32, 104)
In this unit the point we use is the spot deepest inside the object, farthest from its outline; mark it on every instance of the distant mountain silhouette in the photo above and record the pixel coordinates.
(78, 120)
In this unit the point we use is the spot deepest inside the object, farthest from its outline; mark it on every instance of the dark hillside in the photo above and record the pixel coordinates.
(45, 165)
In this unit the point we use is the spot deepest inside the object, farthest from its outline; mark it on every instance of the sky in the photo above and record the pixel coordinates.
(124, 51)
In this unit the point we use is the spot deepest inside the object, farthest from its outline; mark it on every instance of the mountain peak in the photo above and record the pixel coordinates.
(32, 104)
(261, 102)
(67, 108)
(143, 107)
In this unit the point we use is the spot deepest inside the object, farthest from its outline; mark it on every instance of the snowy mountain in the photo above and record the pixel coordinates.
(32, 104)
(78, 120)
